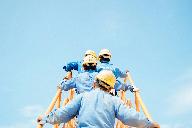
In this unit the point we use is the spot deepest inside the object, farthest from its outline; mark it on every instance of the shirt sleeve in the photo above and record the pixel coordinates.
(65, 114)
(119, 73)
(68, 84)
(122, 86)
(71, 66)
(130, 116)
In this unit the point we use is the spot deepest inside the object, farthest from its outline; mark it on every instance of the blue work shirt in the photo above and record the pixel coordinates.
(77, 65)
(107, 66)
(122, 86)
(83, 82)
(97, 109)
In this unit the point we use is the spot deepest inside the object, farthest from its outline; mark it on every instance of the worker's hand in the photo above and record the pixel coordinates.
(126, 71)
(135, 89)
(59, 86)
(65, 68)
(39, 120)
(155, 125)
(68, 76)
(112, 92)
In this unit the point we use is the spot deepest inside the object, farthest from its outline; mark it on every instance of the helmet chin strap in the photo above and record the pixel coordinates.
(104, 60)
(89, 67)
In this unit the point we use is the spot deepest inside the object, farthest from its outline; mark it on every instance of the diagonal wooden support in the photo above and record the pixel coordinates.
(123, 98)
(57, 96)
(71, 123)
(58, 106)
(51, 106)
(138, 98)
(137, 107)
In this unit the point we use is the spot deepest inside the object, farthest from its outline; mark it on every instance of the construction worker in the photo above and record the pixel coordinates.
(104, 58)
(77, 65)
(98, 109)
(84, 80)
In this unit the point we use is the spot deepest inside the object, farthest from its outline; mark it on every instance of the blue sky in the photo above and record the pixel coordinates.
(151, 38)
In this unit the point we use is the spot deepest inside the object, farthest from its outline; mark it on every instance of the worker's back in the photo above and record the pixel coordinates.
(108, 66)
(83, 82)
(97, 110)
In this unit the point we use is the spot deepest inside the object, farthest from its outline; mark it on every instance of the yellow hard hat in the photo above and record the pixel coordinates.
(91, 52)
(89, 59)
(105, 53)
(107, 77)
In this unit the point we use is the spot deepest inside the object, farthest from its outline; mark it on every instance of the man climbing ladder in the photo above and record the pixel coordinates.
(98, 108)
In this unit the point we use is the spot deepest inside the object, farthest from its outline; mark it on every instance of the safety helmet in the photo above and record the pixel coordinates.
(90, 60)
(91, 52)
(107, 77)
(105, 53)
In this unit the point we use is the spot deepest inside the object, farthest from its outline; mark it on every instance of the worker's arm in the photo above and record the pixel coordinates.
(65, 114)
(130, 116)
(71, 66)
(68, 84)
(119, 73)
(123, 86)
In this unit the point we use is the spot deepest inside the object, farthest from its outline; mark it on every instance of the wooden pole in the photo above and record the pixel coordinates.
(58, 106)
(137, 102)
(57, 96)
(123, 98)
(71, 123)
(138, 98)
(51, 106)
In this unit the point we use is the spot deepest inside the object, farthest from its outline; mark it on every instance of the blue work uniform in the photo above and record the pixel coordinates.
(76, 65)
(97, 109)
(116, 71)
(122, 86)
(83, 82)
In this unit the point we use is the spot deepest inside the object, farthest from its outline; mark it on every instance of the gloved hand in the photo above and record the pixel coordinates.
(112, 92)
(126, 71)
(68, 76)
(59, 86)
(134, 89)
(65, 68)
(155, 125)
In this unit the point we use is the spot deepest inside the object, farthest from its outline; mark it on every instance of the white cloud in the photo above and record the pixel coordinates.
(17, 125)
(174, 126)
(180, 101)
(32, 110)
(29, 114)
(25, 124)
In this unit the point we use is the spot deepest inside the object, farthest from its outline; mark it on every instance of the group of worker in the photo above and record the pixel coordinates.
(88, 69)
(95, 106)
